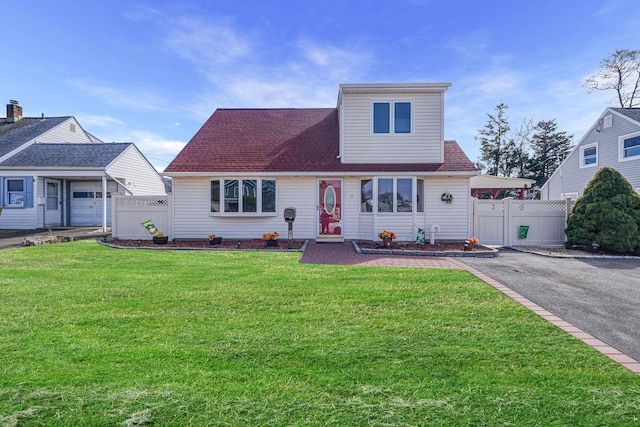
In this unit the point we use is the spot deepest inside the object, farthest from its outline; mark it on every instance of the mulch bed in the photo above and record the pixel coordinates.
(228, 244)
(436, 247)
(259, 244)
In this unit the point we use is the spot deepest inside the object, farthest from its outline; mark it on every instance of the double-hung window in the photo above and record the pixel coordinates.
(589, 155)
(392, 195)
(15, 192)
(630, 147)
(392, 117)
(243, 196)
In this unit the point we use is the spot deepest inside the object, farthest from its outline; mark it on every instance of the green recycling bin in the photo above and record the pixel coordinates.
(524, 229)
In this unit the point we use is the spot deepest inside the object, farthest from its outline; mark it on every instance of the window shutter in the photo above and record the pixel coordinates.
(28, 191)
(1, 191)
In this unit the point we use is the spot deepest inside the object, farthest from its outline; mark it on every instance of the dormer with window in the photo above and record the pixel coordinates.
(392, 123)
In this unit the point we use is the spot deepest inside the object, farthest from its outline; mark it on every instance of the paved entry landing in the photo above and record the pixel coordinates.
(345, 254)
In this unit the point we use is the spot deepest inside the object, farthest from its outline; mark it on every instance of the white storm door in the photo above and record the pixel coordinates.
(53, 203)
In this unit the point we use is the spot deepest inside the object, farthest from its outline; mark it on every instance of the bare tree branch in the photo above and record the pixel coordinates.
(619, 72)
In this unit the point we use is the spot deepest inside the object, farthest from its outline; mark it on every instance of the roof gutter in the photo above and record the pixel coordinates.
(317, 173)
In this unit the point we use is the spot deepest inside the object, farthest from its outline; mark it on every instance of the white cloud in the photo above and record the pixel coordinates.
(98, 121)
(137, 99)
(240, 73)
(207, 45)
(471, 45)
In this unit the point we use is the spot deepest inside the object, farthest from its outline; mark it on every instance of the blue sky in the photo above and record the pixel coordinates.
(151, 72)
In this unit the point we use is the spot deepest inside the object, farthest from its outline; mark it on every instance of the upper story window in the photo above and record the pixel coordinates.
(392, 117)
(589, 155)
(629, 147)
(14, 192)
(243, 196)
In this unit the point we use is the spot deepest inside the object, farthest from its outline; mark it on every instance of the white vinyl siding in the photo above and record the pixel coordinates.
(192, 204)
(135, 172)
(423, 145)
(453, 218)
(62, 133)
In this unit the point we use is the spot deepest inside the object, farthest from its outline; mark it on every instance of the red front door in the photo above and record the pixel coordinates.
(330, 207)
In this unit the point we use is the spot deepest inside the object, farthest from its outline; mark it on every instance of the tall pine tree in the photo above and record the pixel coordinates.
(493, 141)
(550, 148)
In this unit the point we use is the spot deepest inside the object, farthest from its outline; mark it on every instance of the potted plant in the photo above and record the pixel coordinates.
(271, 238)
(387, 237)
(160, 238)
(215, 240)
(470, 243)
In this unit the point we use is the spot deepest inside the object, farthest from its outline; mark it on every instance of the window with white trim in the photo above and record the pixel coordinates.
(630, 147)
(253, 196)
(392, 117)
(589, 155)
(392, 195)
(15, 192)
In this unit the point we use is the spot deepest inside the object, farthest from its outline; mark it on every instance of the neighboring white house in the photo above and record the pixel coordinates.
(54, 173)
(613, 141)
(377, 161)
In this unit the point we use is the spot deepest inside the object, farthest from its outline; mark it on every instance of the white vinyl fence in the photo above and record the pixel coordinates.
(129, 212)
(499, 222)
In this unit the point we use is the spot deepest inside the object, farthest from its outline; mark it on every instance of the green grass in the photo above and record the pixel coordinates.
(93, 336)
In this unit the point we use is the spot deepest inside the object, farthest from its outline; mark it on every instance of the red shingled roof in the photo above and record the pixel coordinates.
(286, 140)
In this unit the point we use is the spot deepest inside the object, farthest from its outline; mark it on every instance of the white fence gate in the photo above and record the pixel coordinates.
(129, 212)
(499, 222)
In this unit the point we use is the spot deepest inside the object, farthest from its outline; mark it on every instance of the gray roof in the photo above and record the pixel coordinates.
(13, 135)
(67, 155)
(632, 113)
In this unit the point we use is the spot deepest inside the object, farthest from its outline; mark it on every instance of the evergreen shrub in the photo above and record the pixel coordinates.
(608, 214)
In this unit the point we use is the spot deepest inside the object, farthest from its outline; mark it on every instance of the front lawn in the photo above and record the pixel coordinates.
(93, 336)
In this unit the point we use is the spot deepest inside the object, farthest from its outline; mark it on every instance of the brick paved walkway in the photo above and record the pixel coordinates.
(344, 254)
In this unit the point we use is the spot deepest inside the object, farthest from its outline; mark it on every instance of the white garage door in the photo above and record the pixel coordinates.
(86, 203)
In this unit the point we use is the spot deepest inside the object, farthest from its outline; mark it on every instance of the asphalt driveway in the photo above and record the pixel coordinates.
(599, 296)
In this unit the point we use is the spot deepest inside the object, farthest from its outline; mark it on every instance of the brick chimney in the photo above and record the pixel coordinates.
(14, 112)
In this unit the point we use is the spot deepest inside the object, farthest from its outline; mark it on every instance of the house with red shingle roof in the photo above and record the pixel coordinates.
(377, 161)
